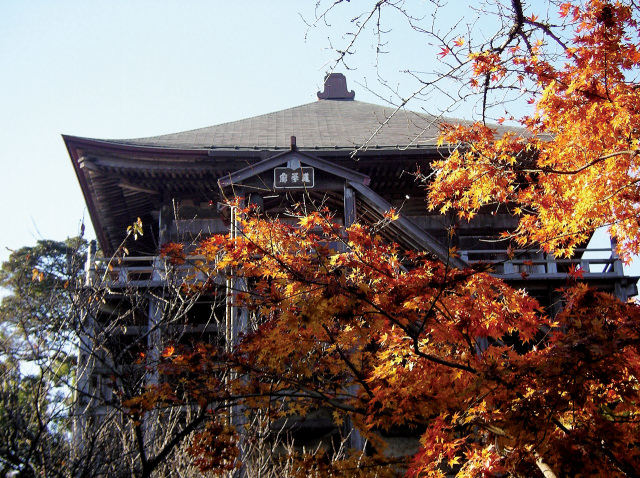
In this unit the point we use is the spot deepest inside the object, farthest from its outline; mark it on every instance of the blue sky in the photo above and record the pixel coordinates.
(119, 69)
(122, 69)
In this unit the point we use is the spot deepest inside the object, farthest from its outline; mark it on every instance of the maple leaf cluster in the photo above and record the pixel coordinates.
(388, 339)
(574, 165)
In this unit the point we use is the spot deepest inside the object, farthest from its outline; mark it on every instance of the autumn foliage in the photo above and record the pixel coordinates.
(389, 339)
(574, 168)
(386, 339)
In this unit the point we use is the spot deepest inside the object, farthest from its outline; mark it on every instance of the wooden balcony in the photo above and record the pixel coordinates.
(524, 264)
(141, 271)
(152, 271)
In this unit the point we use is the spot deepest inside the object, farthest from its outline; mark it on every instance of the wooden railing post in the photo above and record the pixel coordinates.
(90, 265)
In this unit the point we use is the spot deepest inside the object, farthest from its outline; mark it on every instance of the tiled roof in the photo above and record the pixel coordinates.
(324, 124)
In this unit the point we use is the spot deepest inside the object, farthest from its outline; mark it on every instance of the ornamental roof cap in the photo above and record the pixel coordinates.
(335, 88)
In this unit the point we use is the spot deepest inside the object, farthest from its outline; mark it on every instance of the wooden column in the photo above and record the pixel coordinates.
(349, 206)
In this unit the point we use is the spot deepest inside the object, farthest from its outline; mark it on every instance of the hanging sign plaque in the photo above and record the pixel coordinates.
(288, 178)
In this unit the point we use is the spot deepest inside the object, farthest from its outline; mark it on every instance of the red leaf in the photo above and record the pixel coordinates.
(444, 51)
(576, 272)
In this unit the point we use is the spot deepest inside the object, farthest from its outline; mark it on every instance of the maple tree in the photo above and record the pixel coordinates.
(577, 155)
(564, 73)
(388, 338)
(385, 338)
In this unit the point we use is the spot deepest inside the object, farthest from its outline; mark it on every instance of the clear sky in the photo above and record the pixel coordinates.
(125, 68)
(120, 69)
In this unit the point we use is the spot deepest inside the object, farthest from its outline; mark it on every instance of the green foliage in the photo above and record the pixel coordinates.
(37, 356)
(33, 437)
(40, 281)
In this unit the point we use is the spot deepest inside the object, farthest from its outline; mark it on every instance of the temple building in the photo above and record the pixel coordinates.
(357, 159)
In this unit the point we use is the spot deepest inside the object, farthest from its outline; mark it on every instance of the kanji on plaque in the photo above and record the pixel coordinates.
(290, 178)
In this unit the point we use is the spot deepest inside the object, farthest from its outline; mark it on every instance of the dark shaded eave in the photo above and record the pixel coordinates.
(72, 143)
(78, 147)
(113, 158)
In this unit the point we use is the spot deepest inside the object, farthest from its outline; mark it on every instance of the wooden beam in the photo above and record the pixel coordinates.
(238, 177)
(132, 187)
(97, 164)
(414, 233)
(349, 206)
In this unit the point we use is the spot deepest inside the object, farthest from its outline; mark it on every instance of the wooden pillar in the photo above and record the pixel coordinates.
(83, 403)
(154, 338)
(236, 317)
(349, 206)
(356, 440)
(90, 265)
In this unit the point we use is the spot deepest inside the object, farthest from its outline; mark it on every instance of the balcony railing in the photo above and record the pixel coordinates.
(588, 263)
(140, 271)
(151, 271)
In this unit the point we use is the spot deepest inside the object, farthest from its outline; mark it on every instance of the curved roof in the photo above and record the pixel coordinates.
(324, 124)
(122, 179)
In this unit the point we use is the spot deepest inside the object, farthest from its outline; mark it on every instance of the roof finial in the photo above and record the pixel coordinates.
(335, 88)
